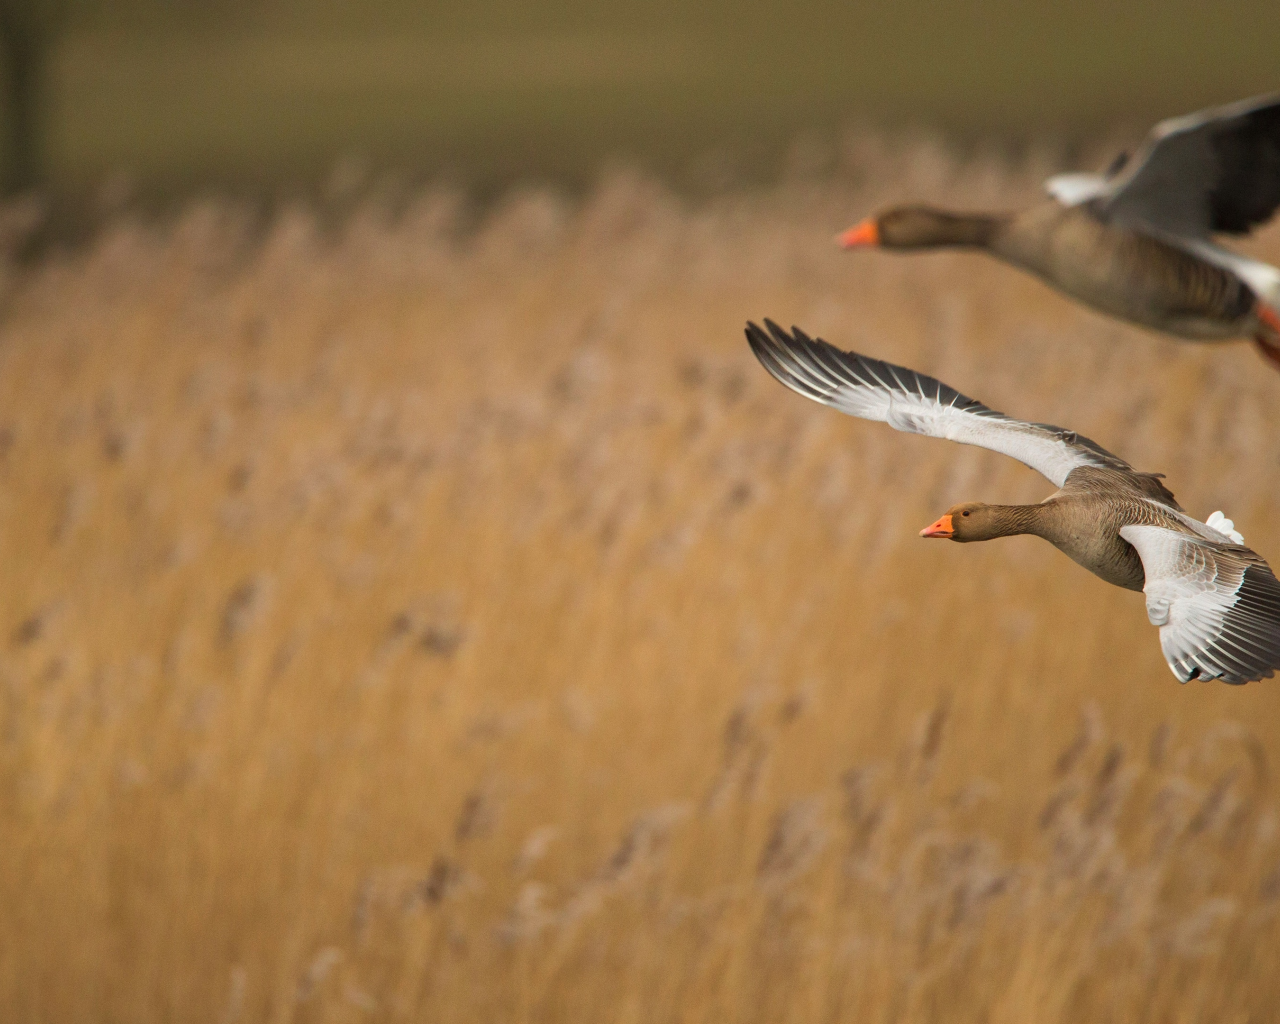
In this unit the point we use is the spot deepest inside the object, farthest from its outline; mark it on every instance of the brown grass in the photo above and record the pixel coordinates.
(411, 621)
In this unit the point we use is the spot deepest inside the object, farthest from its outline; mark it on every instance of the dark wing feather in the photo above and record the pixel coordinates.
(1217, 170)
(1151, 486)
(1247, 191)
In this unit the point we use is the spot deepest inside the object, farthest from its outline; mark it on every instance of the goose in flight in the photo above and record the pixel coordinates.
(1216, 601)
(1137, 241)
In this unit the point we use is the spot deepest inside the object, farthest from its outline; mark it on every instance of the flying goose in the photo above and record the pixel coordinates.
(1136, 242)
(1217, 602)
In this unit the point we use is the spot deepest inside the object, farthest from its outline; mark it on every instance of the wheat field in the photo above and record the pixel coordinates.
(435, 614)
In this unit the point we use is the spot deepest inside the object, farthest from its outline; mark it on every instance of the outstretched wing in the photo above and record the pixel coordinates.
(910, 401)
(1217, 605)
(1217, 170)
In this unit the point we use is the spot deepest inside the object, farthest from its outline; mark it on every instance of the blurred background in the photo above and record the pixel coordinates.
(269, 92)
(417, 604)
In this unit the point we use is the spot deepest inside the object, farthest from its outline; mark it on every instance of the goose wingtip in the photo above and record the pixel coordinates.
(776, 332)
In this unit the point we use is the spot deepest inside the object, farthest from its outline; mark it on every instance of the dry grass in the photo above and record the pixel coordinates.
(424, 622)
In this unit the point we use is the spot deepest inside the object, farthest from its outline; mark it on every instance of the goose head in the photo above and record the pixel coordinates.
(919, 227)
(976, 520)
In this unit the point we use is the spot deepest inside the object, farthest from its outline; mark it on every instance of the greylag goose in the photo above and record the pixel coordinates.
(1217, 602)
(1136, 241)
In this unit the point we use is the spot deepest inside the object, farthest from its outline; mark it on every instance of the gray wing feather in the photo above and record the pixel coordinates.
(1217, 605)
(875, 390)
(1216, 170)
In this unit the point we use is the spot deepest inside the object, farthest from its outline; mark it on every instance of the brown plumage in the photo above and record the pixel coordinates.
(1136, 243)
(1217, 602)
(1082, 519)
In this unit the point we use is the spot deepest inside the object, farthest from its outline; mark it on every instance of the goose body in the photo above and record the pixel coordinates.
(1216, 601)
(1137, 242)
(1130, 275)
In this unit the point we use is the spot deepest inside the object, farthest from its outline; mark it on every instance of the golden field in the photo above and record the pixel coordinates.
(417, 614)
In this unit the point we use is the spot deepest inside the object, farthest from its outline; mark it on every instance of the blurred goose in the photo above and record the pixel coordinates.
(1136, 242)
(1217, 603)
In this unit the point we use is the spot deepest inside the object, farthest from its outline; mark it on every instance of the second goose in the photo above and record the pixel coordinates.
(1136, 242)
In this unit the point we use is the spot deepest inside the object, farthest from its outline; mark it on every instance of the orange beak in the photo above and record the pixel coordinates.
(942, 528)
(865, 234)
(1270, 318)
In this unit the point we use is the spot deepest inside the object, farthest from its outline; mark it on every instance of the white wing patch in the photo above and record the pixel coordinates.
(1218, 521)
(874, 390)
(1262, 278)
(1218, 612)
(1074, 189)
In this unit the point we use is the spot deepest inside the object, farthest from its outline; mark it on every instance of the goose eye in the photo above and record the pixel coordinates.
(964, 513)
